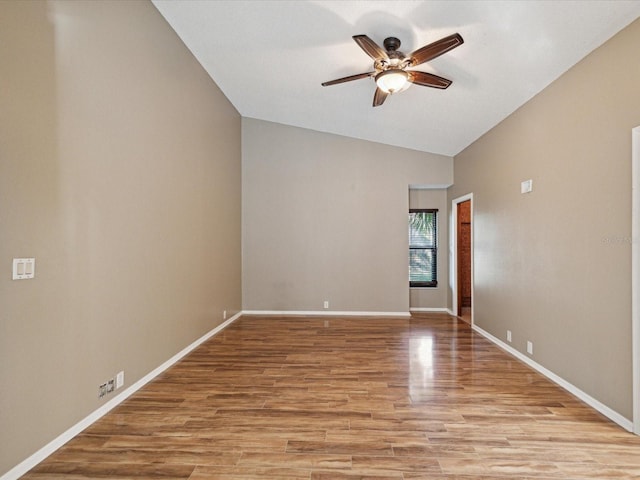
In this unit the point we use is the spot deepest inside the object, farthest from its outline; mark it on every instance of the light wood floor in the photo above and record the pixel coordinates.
(349, 398)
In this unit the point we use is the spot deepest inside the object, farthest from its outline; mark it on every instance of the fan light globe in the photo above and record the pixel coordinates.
(392, 81)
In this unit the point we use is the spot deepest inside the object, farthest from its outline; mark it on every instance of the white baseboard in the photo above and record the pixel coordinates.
(428, 310)
(585, 397)
(27, 464)
(434, 310)
(325, 313)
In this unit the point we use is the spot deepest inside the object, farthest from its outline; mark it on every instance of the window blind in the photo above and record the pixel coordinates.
(423, 248)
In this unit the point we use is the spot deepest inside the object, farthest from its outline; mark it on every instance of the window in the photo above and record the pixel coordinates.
(423, 248)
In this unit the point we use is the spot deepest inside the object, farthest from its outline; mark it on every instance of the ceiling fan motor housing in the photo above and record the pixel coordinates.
(395, 56)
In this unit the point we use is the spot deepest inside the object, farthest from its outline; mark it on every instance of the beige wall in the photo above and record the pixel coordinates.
(325, 218)
(120, 172)
(433, 298)
(550, 265)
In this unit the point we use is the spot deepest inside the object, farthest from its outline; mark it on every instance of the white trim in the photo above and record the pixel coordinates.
(453, 255)
(585, 397)
(635, 275)
(450, 312)
(429, 310)
(324, 313)
(33, 460)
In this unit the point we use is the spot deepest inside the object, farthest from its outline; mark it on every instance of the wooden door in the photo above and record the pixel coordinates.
(464, 255)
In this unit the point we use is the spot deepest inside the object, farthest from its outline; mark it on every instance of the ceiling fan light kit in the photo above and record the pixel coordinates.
(392, 80)
(390, 66)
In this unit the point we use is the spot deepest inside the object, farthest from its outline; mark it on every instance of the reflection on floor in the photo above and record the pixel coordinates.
(349, 398)
(466, 314)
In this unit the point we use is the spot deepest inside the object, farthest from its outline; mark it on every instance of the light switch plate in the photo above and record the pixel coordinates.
(24, 268)
(526, 186)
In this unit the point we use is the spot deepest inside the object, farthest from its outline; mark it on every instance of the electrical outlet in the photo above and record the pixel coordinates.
(509, 336)
(326, 304)
(111, 385)
(102, 390)
(224, 315)
(529, 347)
(120, 379)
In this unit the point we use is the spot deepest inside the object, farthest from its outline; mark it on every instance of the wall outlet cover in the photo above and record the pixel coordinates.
(120, 379)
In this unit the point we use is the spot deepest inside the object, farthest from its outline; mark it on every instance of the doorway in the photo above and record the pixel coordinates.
(635, 274)
(462, 253)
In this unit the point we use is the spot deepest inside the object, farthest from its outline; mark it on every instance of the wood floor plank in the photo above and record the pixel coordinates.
(304, 398)
(250, 473)
(122, 470)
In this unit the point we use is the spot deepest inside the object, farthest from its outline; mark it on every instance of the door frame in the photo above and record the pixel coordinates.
(635, 274)
(453, 254)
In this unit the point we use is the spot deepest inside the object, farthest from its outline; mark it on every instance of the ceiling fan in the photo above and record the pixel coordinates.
(390, 65)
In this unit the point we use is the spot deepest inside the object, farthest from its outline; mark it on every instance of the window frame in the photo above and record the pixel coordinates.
(433, 248)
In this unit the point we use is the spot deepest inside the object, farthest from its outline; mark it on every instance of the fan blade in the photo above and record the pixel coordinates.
(428, 80)
(370, 47)
(435, 49)
(348, 79)
(379, 97)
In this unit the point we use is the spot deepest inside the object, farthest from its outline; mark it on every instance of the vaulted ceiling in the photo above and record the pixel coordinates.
(270, 58)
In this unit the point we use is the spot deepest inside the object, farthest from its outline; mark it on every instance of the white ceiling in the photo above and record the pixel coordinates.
(270, 57)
